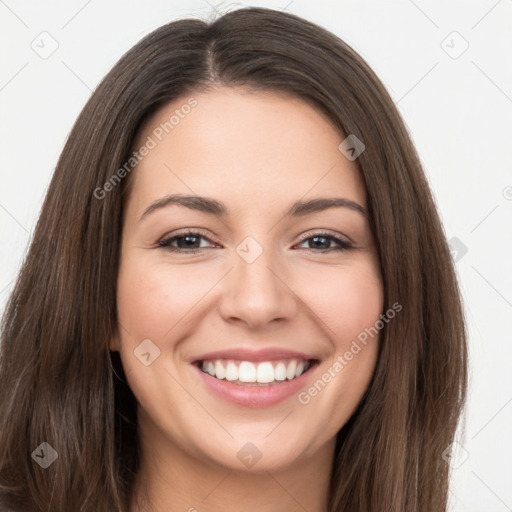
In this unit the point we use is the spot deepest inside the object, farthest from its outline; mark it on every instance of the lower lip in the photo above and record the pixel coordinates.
(255, 396)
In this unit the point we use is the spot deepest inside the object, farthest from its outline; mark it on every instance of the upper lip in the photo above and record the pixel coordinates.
(245, 354)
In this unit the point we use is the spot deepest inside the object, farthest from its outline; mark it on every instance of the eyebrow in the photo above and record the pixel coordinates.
(214, 207)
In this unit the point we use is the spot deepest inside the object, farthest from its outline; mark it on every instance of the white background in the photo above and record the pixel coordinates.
(458, 111)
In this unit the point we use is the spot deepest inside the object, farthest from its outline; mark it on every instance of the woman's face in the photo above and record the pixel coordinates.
(261, 290)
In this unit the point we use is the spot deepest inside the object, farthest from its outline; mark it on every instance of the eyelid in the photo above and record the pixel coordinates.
(190, 231)
(326, 232)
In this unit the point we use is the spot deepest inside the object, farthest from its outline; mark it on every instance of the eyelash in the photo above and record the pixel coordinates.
(342, 244)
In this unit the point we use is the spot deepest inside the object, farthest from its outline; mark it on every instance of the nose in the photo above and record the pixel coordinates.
(258, 293)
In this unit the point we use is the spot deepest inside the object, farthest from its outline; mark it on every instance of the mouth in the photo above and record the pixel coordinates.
(255, 379)
(256, 374)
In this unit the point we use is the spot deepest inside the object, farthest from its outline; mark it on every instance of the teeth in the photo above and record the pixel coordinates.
(247, 372)
(220, 373)
(280, 371)
(290, 370)
(300, 369)
(262, 373)
(265, 373)
(231, 371)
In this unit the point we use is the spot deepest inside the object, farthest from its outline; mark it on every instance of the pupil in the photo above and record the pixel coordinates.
(316, 238)
(187, 239)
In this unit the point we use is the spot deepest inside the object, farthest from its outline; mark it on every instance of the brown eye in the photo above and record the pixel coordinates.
(185, 242)
(321, 243)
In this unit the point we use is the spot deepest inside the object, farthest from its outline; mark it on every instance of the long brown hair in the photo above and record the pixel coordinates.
(59, 382)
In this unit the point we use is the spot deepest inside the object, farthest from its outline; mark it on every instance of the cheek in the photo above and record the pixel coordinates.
(151, 299)
(347, 300)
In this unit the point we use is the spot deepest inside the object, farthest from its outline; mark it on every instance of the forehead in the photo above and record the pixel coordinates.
(250, 148)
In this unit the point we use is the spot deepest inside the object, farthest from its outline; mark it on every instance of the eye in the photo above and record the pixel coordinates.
(186, 242)
(323, 239)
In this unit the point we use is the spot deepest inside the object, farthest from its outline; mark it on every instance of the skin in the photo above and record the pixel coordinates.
(257, 152)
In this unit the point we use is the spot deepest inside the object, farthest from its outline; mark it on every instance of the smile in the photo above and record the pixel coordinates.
(247, 373)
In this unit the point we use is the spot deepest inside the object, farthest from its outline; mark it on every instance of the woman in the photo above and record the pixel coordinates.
(308, 354)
